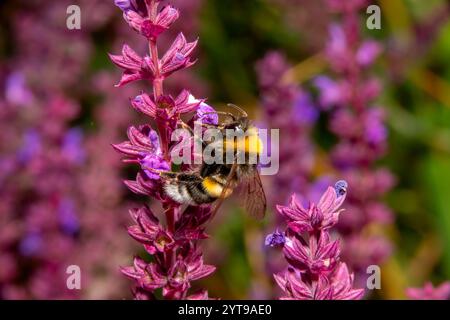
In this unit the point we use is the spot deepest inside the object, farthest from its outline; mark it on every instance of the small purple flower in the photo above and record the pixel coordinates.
(275, 239)
(31, 146)
(304, 109)
(154, 139)
(124, 5)
(16, 91)
(337, 42)
(31, 244)
(205, 113)
(152, 161)
(331, 92)
(68, 218)
(136, 6)
(341, 188)
(143, 148)
(375, 131)
(368, 52)
(138, 102)
(72, 146)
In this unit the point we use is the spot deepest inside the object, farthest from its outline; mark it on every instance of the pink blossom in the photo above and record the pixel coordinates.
(135, 67)
(178, 56)
(368, 52)
(324, 215)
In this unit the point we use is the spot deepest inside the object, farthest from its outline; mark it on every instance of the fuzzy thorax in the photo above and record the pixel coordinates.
(250, 143)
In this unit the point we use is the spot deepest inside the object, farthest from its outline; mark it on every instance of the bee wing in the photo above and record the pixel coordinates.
(252, 193)
(227, 186)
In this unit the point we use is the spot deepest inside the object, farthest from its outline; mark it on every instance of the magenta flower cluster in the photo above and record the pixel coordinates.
(177, 260)
(315, 271)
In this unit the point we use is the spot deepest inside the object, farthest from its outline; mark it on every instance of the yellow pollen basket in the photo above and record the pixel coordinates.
(214, 189)
(251, 143)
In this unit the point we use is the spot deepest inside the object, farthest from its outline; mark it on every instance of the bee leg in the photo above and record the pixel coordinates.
(184, 125)
(161, 173)
(209, 126)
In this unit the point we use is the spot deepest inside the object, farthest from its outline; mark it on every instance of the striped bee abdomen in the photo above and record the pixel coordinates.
(214, 186)
(187, 188)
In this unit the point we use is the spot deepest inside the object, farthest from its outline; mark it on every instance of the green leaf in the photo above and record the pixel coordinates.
(437, 178)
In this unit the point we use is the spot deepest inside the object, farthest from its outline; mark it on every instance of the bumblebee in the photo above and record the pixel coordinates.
(212, 181)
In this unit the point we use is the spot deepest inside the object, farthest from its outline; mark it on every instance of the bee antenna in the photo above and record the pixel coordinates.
(238, 109)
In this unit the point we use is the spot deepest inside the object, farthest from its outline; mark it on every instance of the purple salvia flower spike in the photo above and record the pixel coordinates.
(315, 271)
(177, 260)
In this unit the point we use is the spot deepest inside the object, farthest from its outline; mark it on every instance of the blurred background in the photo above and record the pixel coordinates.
(62, 198)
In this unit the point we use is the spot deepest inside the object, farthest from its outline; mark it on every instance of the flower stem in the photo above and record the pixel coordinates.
(158, 90)
(152, 8)
(171, 213)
